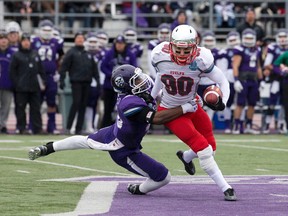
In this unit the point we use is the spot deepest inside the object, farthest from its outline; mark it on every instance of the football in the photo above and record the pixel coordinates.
(211, 94)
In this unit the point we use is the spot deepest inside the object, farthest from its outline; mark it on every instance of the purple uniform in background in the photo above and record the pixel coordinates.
(5, 59)
(49, 51)
(130, 134)
(248, 74)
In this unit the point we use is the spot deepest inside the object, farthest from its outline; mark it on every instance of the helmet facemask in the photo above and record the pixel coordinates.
(139, 82)
(182, 52)
(282, 38)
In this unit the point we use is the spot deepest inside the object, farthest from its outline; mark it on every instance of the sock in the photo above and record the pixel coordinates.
(189, 155)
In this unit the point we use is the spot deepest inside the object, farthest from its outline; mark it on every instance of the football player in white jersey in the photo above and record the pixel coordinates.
(180, 64)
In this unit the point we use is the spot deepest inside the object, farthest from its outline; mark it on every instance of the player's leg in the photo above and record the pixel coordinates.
(50, 96)
(141, 164)
(209, 165)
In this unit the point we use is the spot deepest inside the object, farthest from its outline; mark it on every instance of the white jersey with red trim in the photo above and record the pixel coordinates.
(179, 83)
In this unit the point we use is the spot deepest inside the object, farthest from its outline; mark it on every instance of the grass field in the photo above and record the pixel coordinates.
(24, 193)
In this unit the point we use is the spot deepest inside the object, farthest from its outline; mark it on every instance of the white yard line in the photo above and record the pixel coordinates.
(66, 165)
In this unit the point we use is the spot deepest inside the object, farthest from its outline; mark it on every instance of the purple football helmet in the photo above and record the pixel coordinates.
(249, 37)
(127, 79)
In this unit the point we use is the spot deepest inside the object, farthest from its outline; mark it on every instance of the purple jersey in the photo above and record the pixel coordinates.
(49, 52)
(249, 58)
(153, 43)
(137, 49)
(5, 59)
(228, 55)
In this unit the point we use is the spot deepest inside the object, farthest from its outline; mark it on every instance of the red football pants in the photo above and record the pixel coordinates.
(194, 129)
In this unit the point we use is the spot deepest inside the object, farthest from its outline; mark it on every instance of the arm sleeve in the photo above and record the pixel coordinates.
(218, 77)
(157, 86)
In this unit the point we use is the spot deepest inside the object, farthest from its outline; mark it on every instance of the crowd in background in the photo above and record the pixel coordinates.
(89, 64)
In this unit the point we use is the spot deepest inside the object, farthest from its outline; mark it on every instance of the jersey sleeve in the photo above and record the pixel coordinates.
(205, 60)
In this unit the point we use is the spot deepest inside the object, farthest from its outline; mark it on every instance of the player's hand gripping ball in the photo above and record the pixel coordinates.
(212, 94)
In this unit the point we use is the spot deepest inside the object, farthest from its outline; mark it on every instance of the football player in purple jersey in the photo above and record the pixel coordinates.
(50, 50)
(163, 34)
(136, 110)
(97, 47)
(273, 75)
(225, 64)
(13, 31)
(208, 41)
(6, 93)
(135, 47)
(247, 72)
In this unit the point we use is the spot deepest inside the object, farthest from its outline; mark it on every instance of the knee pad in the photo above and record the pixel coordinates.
(206, 159)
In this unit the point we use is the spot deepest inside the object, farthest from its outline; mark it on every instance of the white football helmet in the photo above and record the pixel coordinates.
(164, 32)
(233, 39)
(102, 39)
(91, 42)
(183, 44)
(249, 37)
(282, 37)
(46, 29)
(130, 35)
(12, 27)
(209, 39)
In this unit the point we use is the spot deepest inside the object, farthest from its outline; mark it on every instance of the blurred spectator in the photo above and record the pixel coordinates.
(6, 93)
(133, 45)
(264, 15)
(225, 16)
(157, 8)
(50, 51)
(141, 21)
(119, 54)
(203, 9)
(81, 68)
(280, 22)
(186, 6)
(250, 22)
(99, 8)
(75, 7)
(26, 74)
(181, 19)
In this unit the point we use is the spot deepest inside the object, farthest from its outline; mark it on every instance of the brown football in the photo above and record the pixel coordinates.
(211, 94)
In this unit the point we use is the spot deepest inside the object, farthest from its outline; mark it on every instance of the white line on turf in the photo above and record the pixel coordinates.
(66, 165)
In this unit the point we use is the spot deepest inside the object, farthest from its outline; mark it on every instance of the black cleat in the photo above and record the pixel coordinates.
(189, 167)
(229, 195)
(134, 189)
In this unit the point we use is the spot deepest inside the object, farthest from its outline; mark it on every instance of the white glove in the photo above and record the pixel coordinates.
(191, 106)
(56, 77)
(238, 86)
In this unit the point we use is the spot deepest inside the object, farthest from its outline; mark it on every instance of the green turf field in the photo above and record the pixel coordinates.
(23, 191)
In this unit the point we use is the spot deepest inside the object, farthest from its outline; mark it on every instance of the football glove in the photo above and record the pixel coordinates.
(238, 86)
(219, 106)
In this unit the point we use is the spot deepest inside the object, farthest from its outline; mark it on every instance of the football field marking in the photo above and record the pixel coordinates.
(66, 165)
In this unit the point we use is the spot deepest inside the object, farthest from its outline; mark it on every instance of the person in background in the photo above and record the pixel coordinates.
(180, 64)
(282, 63)
(50, 51)
(208, 40)
(80, 65)
(225, 16)
(272, 75)
(13, 31)
(163, 34)
(26, 74)
(181, 19)
(6, 92)
(136, 110)
(247, 72)
(250, 22)
(97, 49)
(135, 47)
(119, 54)
(225, 64)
